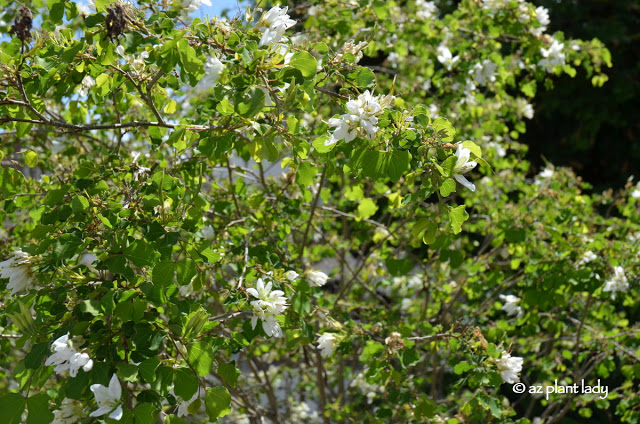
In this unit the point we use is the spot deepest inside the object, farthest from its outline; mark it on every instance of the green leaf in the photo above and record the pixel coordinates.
(447, 187)
(217, 402)
(11, 408)
(147, 369)
(10, 182)
(473, 147)
(145, 413)
(163, 273)
(229, 373)
(430, 235)
(66, 246)
(367, 208)
(56, 12)
(38, 407)
(362, 77)
(457, 216)
(250, 103)
(462, 367)
(201, 357)
(34, 358)
(185, 383)
(305, 63)
(320, 147)
(79, 204)
(101, 5)
(444, 129)
(140, 253)
(127, 372)
(31, 159)
(170, 107)
(306, 174)
(190, 62)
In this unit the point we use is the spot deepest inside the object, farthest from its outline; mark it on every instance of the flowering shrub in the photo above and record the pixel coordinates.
(261, 219)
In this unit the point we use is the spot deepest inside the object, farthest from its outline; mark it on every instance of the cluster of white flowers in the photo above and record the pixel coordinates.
(354, 49)
(87, 83)
(426, 10)
(542, 16)
(446, 58)
(509, 367)
(545, 174)
(361, 120)
(66, 357)
(369, 390)
(587, 257)
(191, 6)
(394, 59)
(511, 305)
(18, 271)
(484, 72)
(636, 192)
(213, 68)
(273, 24)
(317, 278)
(302, 412)
(269, 304)
(327, 344)
(108, 399)
(524, 108)
(136, 63)
(552, 56)
(462, 166)
(69, 413)
(618, 283)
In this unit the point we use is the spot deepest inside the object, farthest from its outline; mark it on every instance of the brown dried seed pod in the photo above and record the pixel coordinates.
(116, 21)
(22, 25)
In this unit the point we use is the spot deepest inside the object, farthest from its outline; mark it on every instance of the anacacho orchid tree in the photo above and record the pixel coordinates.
(266, 219)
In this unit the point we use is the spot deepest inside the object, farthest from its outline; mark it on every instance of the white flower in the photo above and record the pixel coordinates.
(208, 233)
(426, 9)
(183, 405)
(87, 259)
(18, 271)
(191, 6)
(108, 399)
(136, 63)
(446, 58)
(511, 306)
(552, 57)
(354, 49)
(69, 413)
(214, 68)
(484, 72)
(66, 357)
(269, 304)
(317, 278)
(291, 275)
(463, 165)
(394, 59)
(524, 108)
(327, 344)
(509, 367)
(361, 120)
(545, 174)
(636, 192)
(542, 16)
(587, 257)
(618, 283)
(273, 25)
(87, 83)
